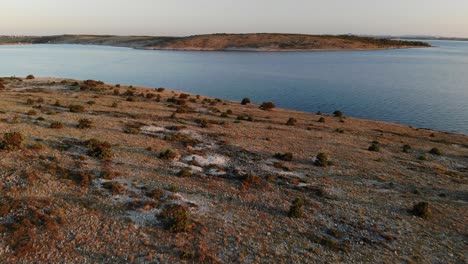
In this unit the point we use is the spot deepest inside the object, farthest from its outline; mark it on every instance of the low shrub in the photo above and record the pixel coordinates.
(284, 156)
(296, 209)
(291, 121)
(178, 218)
(160, 90)
(29, 101)
(321, 119)
(245, 101)
(375, 146)
(76, 108)
(267, 106)
(99, 149)
(406, 148)
(32, 112)
(56, 125)
(435, 151)
(168, 154)
(30, 77)
(338, 113)
(422, 210)
(12, 141)
(321, 160)
(84, 123)
(185, 173)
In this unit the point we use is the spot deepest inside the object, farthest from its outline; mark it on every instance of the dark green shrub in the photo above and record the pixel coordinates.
(296, 210)
(267, 106)
(338, 113)
(422, 210)
(160, 90)
(435, 151)
(168, 154)
(30, 77)
(284, 156)
(406, 148)
(375, 146)
(321, 160)
(245, 101)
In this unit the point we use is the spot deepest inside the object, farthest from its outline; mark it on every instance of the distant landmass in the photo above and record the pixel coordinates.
(219, 42)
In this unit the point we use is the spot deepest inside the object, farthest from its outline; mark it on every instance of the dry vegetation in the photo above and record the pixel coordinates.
(171, 177)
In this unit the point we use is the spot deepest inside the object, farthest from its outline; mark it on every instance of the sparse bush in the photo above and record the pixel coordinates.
(76, 108)
(339, 130)
(160, 90)
(57, 103)
(338, 113)
(56, 125)
(130, 99)
(250, 179)
(291, 121)
(296, 210)
(321, 119)
(267, 106)
(99, 149)
(184, 96)
(30, 77)
(321, 160)
(29, 101)
(423, 157)
(435, 151)
(245, 101)
(115, 105)
(422, 210)
(85, 123)
(12, 141)
(284, 156)
(177, 217)
(91, 102)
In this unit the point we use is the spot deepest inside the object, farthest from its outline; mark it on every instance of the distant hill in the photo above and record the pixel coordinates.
(214, 42)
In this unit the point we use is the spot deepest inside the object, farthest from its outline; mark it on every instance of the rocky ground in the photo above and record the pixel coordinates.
(92, 172)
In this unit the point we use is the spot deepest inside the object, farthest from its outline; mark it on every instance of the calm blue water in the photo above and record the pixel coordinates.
(425, 88)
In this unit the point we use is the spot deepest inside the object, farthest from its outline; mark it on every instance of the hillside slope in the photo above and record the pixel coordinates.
(99, 173)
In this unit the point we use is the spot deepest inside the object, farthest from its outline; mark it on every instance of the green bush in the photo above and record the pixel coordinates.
(338, 113)
(422, 210)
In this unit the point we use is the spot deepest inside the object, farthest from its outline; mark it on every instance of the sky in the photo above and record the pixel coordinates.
(189, 17)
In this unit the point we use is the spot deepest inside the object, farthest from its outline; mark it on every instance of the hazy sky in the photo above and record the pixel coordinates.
(186, 17)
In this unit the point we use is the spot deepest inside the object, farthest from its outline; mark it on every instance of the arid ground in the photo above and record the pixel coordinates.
(99, 173)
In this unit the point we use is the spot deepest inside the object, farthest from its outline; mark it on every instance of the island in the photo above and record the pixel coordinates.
(92, 172)
(226, 42)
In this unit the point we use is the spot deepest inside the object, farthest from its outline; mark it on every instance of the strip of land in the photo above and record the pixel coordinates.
(106, 173)
(225, 42)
